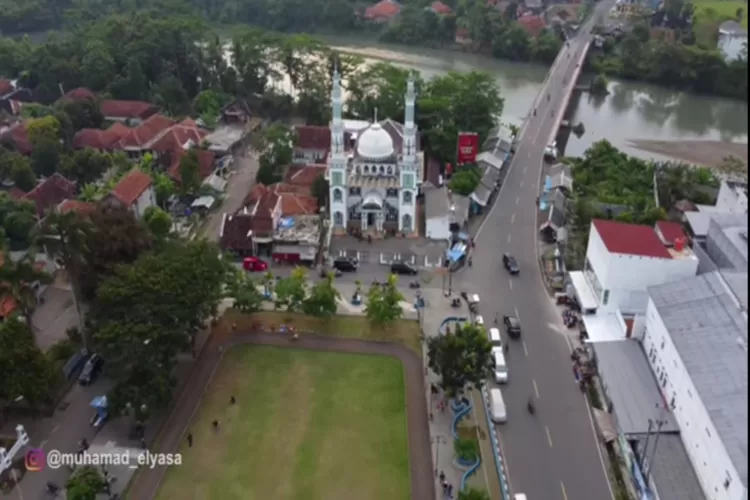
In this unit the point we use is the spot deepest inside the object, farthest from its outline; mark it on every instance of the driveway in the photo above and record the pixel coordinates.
(55, 313)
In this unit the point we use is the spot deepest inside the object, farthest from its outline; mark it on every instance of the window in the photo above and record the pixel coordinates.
(708, 432)
(366, 170)
(605, 298)
(407, 198)
(727, 481)
(391, 193)
(592, 278)
(672, 402)
(382, 170)
(406, 223)
(355, 191)
(407, 181)
(338, 195)
(337, 178)
(663, 342)
(390, 170)
(338, 219)
(664, 382)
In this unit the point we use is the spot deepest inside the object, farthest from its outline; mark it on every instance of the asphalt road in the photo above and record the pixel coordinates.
(553, 454)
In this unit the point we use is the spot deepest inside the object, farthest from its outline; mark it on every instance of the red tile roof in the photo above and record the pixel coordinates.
(304, 176)
(131, 186)
(266, 205)
(439, 7)
(80, 207)
(295, 204)
(670, 231)
(383, 10)
(111, 108)
(313, 137)
(630, 239)
(79, 94)
(146, 132)
(6, 86)
(50, 193)
(20, 138)
(176, 137)
(533, 25)
(16, 193)
(234, 233)
(101, 139)
(206, 161)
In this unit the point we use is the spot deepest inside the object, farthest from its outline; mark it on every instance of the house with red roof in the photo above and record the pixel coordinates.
(206, 161)
(531, 24)
(77, 206)
(131, 112)
(622, 261)
(16, 137)
(101, 140)
(440, 8)
(79, 94)
(312, 144)
(135, 192)
(49, 193)
(304, 176)
(138, 140)
(382, 12)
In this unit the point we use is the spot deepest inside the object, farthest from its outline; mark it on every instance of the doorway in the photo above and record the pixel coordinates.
(370, 219)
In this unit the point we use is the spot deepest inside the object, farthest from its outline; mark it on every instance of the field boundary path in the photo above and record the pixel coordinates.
(146, 483)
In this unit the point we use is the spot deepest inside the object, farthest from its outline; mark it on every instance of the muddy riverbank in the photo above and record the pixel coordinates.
(708, 153)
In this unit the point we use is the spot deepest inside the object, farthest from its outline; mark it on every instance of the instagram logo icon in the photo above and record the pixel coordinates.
(35, 460)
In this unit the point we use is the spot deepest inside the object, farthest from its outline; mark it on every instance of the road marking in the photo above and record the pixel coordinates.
(516, 200)
(521, 185)
(508, 238)
(536, 388)
(525, 349)
(549, 436)
(512, 218)
(515, 310)
(510, 283)
(562, 487)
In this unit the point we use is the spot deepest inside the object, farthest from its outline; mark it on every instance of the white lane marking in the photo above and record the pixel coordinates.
(515, 310)
(516, 200)
(549, 436)
(536, 388)
(525, 349)
(521, 185)
(512, 218)
(562, 487)
(55, 428)
(508, 238)
(510, 283)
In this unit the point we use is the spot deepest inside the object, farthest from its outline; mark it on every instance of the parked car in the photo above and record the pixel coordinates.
(254, 265)
(90, 370)
(510, 263)
(512, 326)
(345, 264)
(399, 267)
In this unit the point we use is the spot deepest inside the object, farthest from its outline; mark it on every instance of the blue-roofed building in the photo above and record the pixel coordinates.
(696, 344)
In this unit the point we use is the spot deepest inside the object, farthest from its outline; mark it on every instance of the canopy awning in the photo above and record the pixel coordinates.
(372, 202)
(583, 291)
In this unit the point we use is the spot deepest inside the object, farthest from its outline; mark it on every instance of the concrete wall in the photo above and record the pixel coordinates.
(706, 451)
(145, 200)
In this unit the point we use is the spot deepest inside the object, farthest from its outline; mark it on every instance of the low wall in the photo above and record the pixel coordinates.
(499, 464)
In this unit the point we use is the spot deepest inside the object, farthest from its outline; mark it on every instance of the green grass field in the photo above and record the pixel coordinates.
(306, 425)
(709, 14)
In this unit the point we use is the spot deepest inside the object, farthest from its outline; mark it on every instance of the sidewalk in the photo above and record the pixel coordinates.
(441, 438)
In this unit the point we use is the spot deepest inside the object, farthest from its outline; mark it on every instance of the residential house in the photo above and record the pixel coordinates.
(101, 140)
(236, 112)
(79, 207)
(440, 9)
(622, 261)
(696, 340)
(304, 176)
(16, 137)
(553, 228)
(732, 40)
(561, 177)
(227, 140)
(382, 12)
(180, 136)
(137, 142)
(13, 101)
(532, 24)
(130, 112)
(49, 193)
(6, 86)
(312, 145)
(134, 192)
(79, 94)
(206, 161)
(445, 213)
(250, 231)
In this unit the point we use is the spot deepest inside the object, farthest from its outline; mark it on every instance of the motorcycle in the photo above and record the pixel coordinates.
(456, 303)
(52, 488)
(415, 284)
(530, 407)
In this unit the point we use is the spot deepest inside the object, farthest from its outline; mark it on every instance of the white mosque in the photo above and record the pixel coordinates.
(375, 175)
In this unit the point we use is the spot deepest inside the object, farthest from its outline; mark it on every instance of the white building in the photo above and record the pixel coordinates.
(732, 198)
(445, 213)
(373, 188)
(732, 40)
(696, 343)
(622, 261)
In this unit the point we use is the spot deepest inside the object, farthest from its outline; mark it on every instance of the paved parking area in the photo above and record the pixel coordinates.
(54, 316)
(420, 252)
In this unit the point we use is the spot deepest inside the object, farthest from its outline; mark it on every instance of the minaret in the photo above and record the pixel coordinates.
(337, 159)
(410, 128)
(409, 165)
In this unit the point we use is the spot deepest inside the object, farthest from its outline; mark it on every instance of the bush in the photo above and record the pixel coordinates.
(466, 449)
(62, 350)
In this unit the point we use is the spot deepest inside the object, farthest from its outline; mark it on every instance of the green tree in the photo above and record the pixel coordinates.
(86, 166)
(164, 187)
(244, 290)
(599, 85)
(323, 298)
(17, 218)
(82, 113)
(733, 168)
(21, 173)
(84, 484)
(292, 291)
(43, 129)
(465, 180)
(158, 222)
(45, 157)
(461, 359)
(473, 494)
(384, 302)
(66, 236)
(24, 369)
(17, 280)
(190, 175)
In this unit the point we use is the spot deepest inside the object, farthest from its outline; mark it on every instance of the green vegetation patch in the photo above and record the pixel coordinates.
(313, 425)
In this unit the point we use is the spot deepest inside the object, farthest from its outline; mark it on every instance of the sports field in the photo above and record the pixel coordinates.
(305, 425)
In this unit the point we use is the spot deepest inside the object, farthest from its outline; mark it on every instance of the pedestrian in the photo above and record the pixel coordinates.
(431, 417)
(442, 477)
(469, 261)
(445, 486)
(450, 491)
(143, 443)
(232, 400)
(190, 439)
(215, 424)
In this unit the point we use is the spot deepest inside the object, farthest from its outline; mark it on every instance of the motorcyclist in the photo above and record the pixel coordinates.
(530, 406)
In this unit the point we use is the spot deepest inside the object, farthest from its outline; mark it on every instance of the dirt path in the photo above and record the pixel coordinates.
(146, 484)
(708, 153)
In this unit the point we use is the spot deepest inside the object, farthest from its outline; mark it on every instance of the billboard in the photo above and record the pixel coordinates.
(468, 147)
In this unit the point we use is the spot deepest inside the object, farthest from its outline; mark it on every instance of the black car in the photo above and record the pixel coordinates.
(345, 264)
(510, 264)
(90, 370)
(512, 326)
(403, 268)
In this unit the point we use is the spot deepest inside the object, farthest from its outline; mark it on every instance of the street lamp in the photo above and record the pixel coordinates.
(438, 440)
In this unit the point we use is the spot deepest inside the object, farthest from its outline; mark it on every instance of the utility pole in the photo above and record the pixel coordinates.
(659, 424)
(645, 445)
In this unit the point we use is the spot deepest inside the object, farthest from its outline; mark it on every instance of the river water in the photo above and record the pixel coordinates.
(631, 111)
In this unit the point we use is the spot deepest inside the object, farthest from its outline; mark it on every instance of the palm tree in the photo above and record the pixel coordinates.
(65, 236)
(17, 280)
(90, 192)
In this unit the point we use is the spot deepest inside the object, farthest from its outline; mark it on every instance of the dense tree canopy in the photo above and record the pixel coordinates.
(25, 371)
(462, 359)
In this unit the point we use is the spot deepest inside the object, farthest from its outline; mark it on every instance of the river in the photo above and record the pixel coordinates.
(630, 112)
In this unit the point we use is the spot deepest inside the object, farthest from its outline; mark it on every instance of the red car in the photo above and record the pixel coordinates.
(254, 265)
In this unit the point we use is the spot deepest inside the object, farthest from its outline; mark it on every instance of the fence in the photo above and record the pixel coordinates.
(495, 447)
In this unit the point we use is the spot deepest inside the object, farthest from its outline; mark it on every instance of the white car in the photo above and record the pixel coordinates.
(501, 368)
(478, 320)
(499, 413)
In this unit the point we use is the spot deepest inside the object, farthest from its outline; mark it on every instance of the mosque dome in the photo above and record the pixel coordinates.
(375, 143)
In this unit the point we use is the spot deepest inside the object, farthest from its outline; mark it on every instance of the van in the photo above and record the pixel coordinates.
(495, 339)
(497, 406)
(501, 369)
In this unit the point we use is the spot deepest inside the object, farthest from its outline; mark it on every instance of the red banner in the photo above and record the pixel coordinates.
(468, 147)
